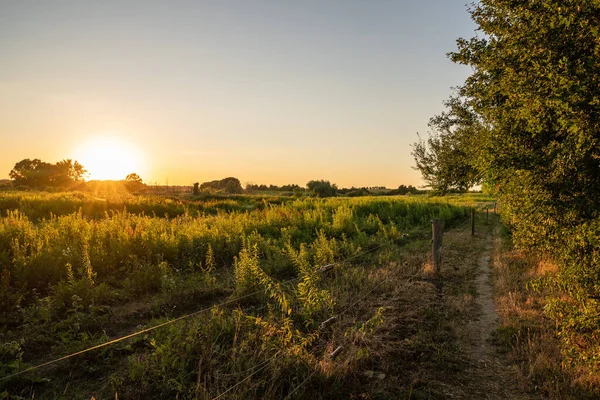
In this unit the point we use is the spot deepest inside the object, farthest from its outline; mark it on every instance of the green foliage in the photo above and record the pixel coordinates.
(11, 357)
(322, 188)
(531, 106)
(362, 330)
(447, 159)
(313, 300)
(249, 277)
(71, 280)
(38, 174)
(37, 205)
(227, 185)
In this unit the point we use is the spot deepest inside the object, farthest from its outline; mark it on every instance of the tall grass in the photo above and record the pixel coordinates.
(66, 277)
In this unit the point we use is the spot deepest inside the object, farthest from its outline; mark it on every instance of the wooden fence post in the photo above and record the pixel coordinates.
(437, 227)
(472, 222)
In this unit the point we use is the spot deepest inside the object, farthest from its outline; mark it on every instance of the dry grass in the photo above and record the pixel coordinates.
(528, 337)
(420, 351)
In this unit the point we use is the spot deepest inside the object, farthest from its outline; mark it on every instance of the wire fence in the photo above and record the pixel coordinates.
(351, 306)
(186, 316)
(335, 318)
(263, 365)
(477, 209)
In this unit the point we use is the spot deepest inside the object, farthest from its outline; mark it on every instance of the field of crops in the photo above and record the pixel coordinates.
(77, 271)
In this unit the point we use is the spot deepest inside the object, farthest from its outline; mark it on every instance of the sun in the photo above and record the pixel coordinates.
(109, 158)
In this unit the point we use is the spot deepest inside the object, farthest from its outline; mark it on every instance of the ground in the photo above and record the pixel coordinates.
(435, 339)
(436, 343)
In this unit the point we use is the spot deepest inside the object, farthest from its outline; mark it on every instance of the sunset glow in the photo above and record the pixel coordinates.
(109, 158)
(267, 92)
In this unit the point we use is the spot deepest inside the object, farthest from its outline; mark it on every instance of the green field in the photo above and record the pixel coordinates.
(79, 270)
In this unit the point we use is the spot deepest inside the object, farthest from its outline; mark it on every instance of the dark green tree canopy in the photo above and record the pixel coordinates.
(527, 119)
(536, 85)
(448, 159)
(531, 109)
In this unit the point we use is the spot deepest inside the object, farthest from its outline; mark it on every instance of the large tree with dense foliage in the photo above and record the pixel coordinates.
(447, 160)
(38, 174)
(68, 172)
(532, 106)
(536, 85)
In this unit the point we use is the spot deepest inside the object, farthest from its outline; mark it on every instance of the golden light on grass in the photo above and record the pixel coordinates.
(109, 158)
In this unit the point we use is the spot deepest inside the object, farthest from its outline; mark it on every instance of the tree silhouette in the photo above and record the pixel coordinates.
(133, 182)
(38, 174)
(133, 177)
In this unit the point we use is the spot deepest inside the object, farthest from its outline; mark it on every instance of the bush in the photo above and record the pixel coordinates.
(322, 188)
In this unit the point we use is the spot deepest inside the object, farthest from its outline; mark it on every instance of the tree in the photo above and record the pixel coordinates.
(403, 189)
(536, 88)
(443, 164)
(67, 172)
(229, 185)
(535, 94)
(134, 178)
(32, 173)
(134, 183)
(448, 159)
(322, 188)
(39, 174)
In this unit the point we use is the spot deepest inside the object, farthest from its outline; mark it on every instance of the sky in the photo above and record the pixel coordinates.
(268, 91)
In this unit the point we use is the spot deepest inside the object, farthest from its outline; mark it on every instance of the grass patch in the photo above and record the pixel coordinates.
(527, 336)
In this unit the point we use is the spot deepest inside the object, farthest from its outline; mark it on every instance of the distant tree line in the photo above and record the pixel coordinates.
(403, 189)
(65, 175)
(274, 188)
(69, 174)
(324, 188)
(365, 191)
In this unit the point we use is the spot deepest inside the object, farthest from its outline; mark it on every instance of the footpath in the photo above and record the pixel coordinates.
(437, 339)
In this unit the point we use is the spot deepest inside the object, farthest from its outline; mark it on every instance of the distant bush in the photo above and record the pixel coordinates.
(228, 185)
(322, 188)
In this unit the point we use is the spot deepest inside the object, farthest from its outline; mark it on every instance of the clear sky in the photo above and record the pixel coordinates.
(270, 91)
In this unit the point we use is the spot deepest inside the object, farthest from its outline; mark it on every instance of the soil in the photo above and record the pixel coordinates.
(491, 376)
(436, 343)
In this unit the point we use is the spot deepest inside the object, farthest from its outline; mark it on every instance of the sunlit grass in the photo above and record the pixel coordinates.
(77, 267)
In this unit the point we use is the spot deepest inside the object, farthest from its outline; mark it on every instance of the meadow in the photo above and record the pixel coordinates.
(79, 270)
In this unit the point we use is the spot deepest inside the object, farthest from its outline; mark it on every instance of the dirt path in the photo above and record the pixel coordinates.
(435, 343)
(491, 375)
(481, 353)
